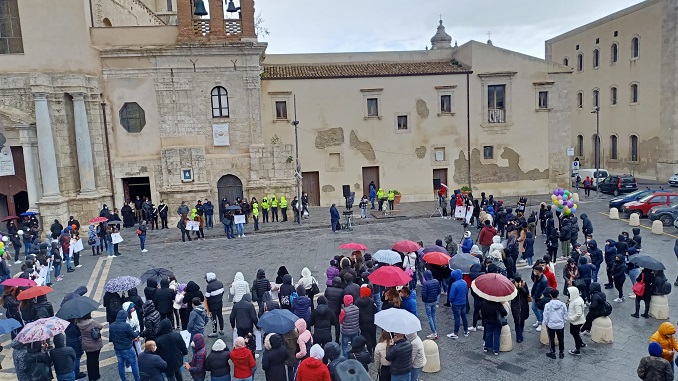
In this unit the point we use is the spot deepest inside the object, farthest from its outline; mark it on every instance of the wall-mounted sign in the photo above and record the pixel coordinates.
(220, 135)
(6, 162)
(186, 175)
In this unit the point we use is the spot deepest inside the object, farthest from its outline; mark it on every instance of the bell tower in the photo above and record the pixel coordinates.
(197, 24)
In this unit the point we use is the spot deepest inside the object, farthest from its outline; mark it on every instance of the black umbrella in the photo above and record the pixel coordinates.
(647, 262)
(113, 222)
(77, 308)
(157, 274)
(233, 207)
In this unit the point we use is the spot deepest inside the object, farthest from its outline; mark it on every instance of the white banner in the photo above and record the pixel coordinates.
(239, 219)
(78, 246)
(116, 238)
(220, 134)
(193, 225)
(6, 162)
(461, 212)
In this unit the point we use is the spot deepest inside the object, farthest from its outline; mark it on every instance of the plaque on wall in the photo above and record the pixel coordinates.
(6, 162)
(220, 134)
(186, 175)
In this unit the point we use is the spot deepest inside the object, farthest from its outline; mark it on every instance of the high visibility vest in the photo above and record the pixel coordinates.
(255, 209)
(274, 203)
(283, 202)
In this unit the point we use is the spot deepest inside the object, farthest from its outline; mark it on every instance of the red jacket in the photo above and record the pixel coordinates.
(486, 234)
(550, 277)
(243, 362)
(312, 369)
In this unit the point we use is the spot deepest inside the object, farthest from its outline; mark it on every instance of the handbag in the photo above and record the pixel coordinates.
(639, 287)
(501, 319)
(255, 296)
(314, 288)
(579, 283)
(95, 333)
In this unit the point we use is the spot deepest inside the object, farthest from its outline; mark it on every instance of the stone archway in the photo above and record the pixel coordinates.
(230, 187)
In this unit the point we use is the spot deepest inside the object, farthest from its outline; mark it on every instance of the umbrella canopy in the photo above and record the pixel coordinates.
(77, 308)
(96, 220)
(18, 282)
(436, 258)
(405, 246)
(397, 320)
(113, 222)
(463, 262)
(34, 292)
(353, 246)
(156, 273)
(434, 248)
(9, 218)
(42, 329)
(277, 321)
(389, 276)
(233, 207)
(387, 256)
(494, 287)
(8, 325)
(27, 214)
(645, 261)
(122, 283)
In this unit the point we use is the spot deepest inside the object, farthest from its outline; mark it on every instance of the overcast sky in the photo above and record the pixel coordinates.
(301, 26)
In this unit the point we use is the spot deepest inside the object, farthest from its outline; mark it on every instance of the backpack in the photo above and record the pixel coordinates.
(607, 309)
(293, 296)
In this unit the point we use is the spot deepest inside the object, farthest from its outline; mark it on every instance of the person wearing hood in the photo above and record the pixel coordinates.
(466, 243)
(585, 275)
(597, 258)
(313, 368)
(586, 225)
(302, 304)
(322, 319)
(151, 321)
(665, 337)
(172, 349)
(333, 358)
(619, 269)
(91, 346)
(123, 336)
(151, 366)
(239, 287)
(191, 291)
(285, 293)
(576, 319)
(197, 319)
(458, 292)
(151, 288)
(520, 307)
(335, 295)
(133, 296)
(283, 208)
(197, 365)
(496, 245)
(274, 358)
(610, 254)
(63, 359)
(528, 244)
(164, 300)
(430, 292)
(596, 307)
(134, 323)
(214, 292)
(555, 316)
(654, 367)
(308, 281)
(360, 353)
(243, 316)
(565, 234)
(261, 286)
(349, 318)
(243, 360)
(647, 277)
(367, 309)
(217, 362)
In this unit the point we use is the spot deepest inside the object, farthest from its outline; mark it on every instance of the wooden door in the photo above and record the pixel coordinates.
(229, 186)
(370, 174)
(441, 174)
(311, 185)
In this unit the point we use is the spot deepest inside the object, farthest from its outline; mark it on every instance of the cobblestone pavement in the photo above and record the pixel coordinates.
(313, 244)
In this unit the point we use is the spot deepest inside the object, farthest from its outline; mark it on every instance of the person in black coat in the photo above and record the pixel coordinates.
(520, 307)
(171, 348)
(217, 361)
(367, 309)
(56, 229)
(275, 356)
(191, 291)
(164, 300)
(565, 234)
(359, 351)
(151, 366)
(243, 316)
(610, 254)
(646, 276)
(282, 271)
(335, 297)
(133, 296)
(63, 357)
(322, 319)
(286, 290)
(261, 285)
(150, 289)
(597, 257)
(113, 304)
(127, 216)
(351, 288)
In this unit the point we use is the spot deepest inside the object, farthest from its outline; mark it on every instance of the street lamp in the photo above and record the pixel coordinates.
(297, 172)
(596, 110)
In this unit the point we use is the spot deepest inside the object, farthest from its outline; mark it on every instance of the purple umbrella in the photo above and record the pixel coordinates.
(433, 248)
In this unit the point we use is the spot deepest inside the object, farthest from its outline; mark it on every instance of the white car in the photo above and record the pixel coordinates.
(673, 180)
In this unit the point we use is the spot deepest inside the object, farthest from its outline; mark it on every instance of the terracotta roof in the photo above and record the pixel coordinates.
(352, 70)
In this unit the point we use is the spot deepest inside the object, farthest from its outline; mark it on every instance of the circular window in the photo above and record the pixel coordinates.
(132, 117)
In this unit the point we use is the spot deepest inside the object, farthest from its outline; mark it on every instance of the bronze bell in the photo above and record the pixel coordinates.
(200, 8)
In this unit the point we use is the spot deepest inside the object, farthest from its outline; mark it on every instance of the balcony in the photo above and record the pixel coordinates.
(496, 115)
(202, 28)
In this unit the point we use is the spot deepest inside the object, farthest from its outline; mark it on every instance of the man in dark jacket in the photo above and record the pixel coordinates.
(151, 288)
(565, 234)
(351, 288)
(164, 300)
(367, 309)
(595, 308)
(586, 225)
(243, 316)
(586, 275)
(334, 217)
(209, 214)
(486, 234)
(322, 319)
(430, 291)
(151, 366)
(217, 361)
(574, 226)
(123, 336)
(172, 349)
(333, 357)
(63, 359)
(163, 209)
(538, 287)
(610, 254)
(334, 295)
(214, 292)
(597, 258)
(261, 285)
(400, 355)
(274, 359)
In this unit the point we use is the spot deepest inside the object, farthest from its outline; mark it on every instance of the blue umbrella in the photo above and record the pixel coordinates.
(8, 325)
(277, 321)
(27, 214)
(122, 283)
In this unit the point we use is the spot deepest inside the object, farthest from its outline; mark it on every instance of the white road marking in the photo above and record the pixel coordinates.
(93, 277)
(102, 280)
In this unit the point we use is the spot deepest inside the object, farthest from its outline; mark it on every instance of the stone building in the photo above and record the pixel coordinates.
(625, 64)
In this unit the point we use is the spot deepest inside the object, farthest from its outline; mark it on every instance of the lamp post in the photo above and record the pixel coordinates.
(297, 172)
(596, 110)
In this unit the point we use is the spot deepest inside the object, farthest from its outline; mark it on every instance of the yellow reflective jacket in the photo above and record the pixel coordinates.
(255, 209)
(283, 202)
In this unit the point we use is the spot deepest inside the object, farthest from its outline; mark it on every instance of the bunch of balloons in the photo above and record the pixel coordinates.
(563, 201)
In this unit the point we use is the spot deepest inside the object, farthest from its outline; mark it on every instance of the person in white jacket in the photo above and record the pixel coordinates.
(496, 244)
(555, 317)
(239, 287)
(577, 318)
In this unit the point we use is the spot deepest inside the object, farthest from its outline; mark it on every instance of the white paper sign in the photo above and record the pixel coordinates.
(461, 212)
(239, 219)
(116, 238)
(6, 162)
(78, 246)
(193, 225)
(220, 134)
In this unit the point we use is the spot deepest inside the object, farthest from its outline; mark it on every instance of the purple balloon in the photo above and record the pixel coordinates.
(570, 203)
(560, 197)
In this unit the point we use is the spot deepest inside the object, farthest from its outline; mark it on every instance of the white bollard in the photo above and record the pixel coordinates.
(505, 340)
(634, 219)
(601, 330)
(657, 227)
(432, 357)
(659, 307)
(614, 214)
(575, 197)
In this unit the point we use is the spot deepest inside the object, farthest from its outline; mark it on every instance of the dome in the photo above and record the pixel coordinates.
(441, 40)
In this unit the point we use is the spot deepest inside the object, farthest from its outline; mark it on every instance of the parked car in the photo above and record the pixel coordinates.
(643, 206)
(584, 172)
(665, 214)
(673, 180)
(675, 223)
(618, 184)
(617, 202)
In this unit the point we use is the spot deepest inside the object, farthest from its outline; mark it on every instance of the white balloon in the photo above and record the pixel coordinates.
(5, 239)
(20, 232)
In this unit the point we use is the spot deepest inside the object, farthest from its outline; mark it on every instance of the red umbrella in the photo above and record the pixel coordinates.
(405, 246)
(96, 220)
(18, 282)
(34, 292)
(389, 276)
(9, 218)
(437, 258)
(353, 246)
(494, 287)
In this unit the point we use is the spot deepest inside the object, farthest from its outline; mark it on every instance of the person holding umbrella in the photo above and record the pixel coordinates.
(399, 354)
(644, 292)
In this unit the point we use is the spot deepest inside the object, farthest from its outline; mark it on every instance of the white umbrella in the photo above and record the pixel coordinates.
(387, 256)
(397, 320)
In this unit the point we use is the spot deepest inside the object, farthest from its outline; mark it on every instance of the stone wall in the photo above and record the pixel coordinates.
(123, 13)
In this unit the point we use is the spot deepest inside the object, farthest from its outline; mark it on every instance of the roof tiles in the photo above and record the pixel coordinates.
(353, 70)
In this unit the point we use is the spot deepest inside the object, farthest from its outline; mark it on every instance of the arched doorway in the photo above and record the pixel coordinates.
(229, 186)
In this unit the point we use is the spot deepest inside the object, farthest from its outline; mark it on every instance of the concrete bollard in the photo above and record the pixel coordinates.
(544, 337)
(505, 340)
(575, 197)
(614, 214)
(657, 227)
(659, 307)
(634, 219)
(601, 330)
(432, 357)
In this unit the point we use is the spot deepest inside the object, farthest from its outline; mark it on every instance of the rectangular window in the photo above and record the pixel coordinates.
(580, 100)
(372, 107)
(496, 105)
(281, 109)
(613, 96)
(543, 99)
(10, 28)
(488, 152)
(439, 154)
(446, 103)
(402, 122)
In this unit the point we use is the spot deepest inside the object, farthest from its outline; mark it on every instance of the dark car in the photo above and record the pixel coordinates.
(617, 202)
(618, 184)
(665, 214)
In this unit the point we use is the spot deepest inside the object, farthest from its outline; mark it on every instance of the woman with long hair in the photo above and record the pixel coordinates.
(383, 366)
(393, 299)
(11, 305)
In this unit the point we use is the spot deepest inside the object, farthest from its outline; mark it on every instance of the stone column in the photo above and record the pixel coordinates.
(28, 140)
(48, 163)
(84, 146)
